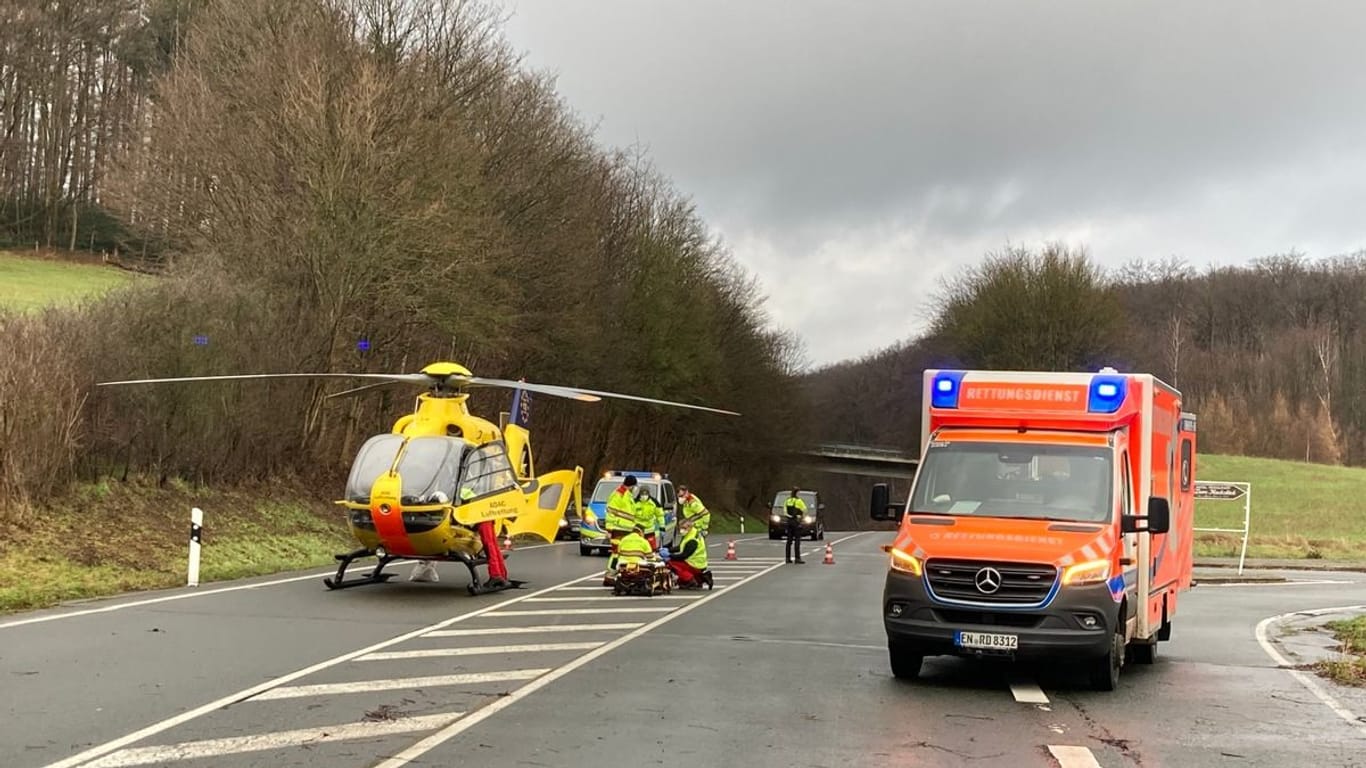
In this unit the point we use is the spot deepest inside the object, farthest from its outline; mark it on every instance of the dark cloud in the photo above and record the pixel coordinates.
(825, 139)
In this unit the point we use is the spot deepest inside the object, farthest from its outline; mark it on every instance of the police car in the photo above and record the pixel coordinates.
(593, 536)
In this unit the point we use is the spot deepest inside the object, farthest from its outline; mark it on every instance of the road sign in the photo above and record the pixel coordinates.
(1221, 491)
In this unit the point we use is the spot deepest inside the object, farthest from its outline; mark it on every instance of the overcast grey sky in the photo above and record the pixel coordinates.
(851, 153)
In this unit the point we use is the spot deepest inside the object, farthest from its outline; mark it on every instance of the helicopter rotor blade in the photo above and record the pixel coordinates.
(593, 394)
(357, 390)
(411, 378)
(548, 389)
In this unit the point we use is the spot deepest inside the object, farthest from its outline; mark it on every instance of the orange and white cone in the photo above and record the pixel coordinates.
(829, 555)
(507, 542)
(730, 550)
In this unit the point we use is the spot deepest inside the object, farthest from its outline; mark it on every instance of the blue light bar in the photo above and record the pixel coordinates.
(944, 391)
(1107, 393)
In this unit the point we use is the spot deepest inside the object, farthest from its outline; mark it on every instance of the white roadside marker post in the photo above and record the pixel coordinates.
(196, 528)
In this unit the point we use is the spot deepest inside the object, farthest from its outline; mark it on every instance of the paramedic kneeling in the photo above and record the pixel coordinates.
(689, 564)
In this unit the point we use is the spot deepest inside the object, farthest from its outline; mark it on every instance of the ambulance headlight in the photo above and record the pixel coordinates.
(1090, 572)
(776, 518)
(808, 519)
(905, 562)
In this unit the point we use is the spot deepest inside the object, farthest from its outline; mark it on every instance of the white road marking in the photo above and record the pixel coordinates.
(543, 628)
(1028, 693)
(282, 739)
(1306, 680)
(394, 684)
(610, 597)
(246, 693)
(1291, 583)
(196, 592)
(583, 611)
(1073, 757)
(478, 650)
(166, 599)
(455, 729)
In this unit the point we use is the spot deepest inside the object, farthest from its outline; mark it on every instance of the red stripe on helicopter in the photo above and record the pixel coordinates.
(389, 526)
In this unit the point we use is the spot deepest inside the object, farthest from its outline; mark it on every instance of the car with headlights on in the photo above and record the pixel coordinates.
(812, 523)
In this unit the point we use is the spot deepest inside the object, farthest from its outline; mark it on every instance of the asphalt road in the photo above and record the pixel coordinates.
(781, 665)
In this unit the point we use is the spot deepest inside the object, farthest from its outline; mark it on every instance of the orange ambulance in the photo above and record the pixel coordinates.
(1051, 515)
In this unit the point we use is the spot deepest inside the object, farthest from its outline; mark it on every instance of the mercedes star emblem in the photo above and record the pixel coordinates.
(988, 580)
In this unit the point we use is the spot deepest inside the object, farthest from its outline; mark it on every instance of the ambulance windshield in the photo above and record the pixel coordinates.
(1022, 480)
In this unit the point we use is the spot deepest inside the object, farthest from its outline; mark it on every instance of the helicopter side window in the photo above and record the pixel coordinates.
(429, 469)
(488, 470)
(372, 460)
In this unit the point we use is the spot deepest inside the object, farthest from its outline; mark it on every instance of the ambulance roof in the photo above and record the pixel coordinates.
(1035, 398)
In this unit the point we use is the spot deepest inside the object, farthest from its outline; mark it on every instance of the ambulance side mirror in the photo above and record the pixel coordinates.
(1159, 515)
(1158, 519)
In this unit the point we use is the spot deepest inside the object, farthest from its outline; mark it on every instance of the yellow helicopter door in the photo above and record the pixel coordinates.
(546, 500)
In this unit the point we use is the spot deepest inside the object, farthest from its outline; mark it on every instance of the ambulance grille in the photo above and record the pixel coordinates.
(1020, 583)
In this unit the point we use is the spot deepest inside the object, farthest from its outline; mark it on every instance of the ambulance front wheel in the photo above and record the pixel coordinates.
(1105, 669)
(906, 661)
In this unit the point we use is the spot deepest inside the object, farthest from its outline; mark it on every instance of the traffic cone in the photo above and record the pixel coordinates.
(507, 542)
(829, 555)
(730, 550)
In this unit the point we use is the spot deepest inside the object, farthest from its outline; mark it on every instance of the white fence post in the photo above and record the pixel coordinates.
(1221, 491)
(742, 524)
(196, 528)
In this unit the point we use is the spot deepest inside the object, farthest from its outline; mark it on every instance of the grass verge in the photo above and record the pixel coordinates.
(1351, 669)
(1299, 510)
(112, 537)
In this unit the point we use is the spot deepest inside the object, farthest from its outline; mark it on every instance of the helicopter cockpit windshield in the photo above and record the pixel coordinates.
(429, 469)
(372, 460)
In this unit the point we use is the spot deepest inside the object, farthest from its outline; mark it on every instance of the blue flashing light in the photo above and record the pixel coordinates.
(944, 392)
(201, 340)
(1107, 393)
(363, 345)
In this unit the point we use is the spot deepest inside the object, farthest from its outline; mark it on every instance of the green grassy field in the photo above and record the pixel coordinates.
(1298, 510)
(29, 282)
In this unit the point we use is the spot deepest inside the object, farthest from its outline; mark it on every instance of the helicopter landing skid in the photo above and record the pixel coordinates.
(377, 576)
(487, 587)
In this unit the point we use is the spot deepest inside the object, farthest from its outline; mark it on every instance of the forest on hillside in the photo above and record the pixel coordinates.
(372, 185)
(350, 185)
(1270, 356)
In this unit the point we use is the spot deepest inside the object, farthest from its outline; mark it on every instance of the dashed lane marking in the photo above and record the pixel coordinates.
(1028, 693)
(540, 629)
(478, 650)
(460, 726)
(267, 741)
(584, 611)
(616, 598)
(393, 684)
(1073, 757)
(246, 693)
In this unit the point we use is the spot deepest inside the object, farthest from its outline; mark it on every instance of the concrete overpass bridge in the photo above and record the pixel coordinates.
(853, 459)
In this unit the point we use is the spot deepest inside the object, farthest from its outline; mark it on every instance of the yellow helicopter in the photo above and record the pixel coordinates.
(436, 485)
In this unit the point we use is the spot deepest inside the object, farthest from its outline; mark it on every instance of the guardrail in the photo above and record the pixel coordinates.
(1228, 491)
